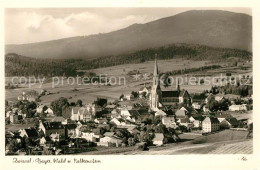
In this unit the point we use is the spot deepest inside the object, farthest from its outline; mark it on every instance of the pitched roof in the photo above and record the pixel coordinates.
(31, 132)
(180, 113)
(212, 119)
(134, 113)
(143, 88)
(170, 93)
(75, 109)
(183, 108)
(53, 125)
(160, 113)
(58, 119)
(42, 106)
(185, 120)
(233, 121)
(198, 117)
(83, 111)
(70, 126)
(109, 134)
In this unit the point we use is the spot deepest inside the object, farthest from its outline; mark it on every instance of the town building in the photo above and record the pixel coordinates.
(158, 139)
(110, 140)
(30, 133)
(238, 107)
(169, 121)
(49, 128)
(81, 113)
(160, 98)
(210, 124)
(142, 91)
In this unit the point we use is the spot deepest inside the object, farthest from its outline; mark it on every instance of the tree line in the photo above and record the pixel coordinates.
(17, 65)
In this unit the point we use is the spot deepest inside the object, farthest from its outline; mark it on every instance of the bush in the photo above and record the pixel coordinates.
(199, 141)
(142, 146)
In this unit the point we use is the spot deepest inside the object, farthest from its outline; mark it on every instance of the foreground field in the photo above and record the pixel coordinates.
(224, 142)
(227, 147)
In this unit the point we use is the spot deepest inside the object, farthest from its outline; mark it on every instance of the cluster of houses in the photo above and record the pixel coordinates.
(83, 123)
(128, 115)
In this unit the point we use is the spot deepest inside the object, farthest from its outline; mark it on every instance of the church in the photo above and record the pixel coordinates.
(160, 98)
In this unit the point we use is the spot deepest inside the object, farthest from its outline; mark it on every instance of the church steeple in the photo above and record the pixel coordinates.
(156, 75)
(155, 97)
(178, 87)
(156, 72)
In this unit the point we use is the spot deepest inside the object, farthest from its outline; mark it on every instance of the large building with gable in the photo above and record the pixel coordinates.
(160, 98)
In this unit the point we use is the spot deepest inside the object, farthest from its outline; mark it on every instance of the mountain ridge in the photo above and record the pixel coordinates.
(206, 27)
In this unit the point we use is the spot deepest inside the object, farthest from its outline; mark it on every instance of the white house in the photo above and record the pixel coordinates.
(196, 105)
(129, 97)
(142, 91)
(196, 123)
(125, 113)
(55, 137)
(185, 122)
(222, 116)
(109, 138)
(92, 108)
(49, 112)
(41, 108)
(117, 122)
(90, 136)
(238, 107)
(196, 120)
(169, 121)
(42, 141)
(183, 108)
(205, 109)
(210, 124)
(81, 113)
(219, 97)
(7, 114)
(180, 113)
(160, 113)
(158, 139)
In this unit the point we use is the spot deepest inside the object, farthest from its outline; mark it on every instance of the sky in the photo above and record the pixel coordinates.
(24, 25)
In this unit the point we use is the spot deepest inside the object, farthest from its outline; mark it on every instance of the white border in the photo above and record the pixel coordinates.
(143, 162)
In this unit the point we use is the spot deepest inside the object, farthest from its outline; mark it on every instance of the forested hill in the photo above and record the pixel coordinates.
(17, 65)
(214, 28)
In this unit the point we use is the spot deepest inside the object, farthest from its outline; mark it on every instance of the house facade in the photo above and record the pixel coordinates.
(158, 139)
(49, 128)
(238, 107)
(210, 124)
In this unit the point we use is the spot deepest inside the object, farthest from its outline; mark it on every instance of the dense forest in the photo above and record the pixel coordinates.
(17, 65)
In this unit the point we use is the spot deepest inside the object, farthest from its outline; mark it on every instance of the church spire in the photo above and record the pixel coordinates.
(156, 72)
(156, 75)
(178, 87)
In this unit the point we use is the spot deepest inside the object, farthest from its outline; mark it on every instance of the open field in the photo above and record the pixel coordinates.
(88, 93)
(224, 142)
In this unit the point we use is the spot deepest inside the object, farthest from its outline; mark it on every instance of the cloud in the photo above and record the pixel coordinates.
(25, 27)
(36, 24)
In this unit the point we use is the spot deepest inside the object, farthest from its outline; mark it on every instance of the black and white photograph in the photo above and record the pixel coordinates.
(88, 81)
